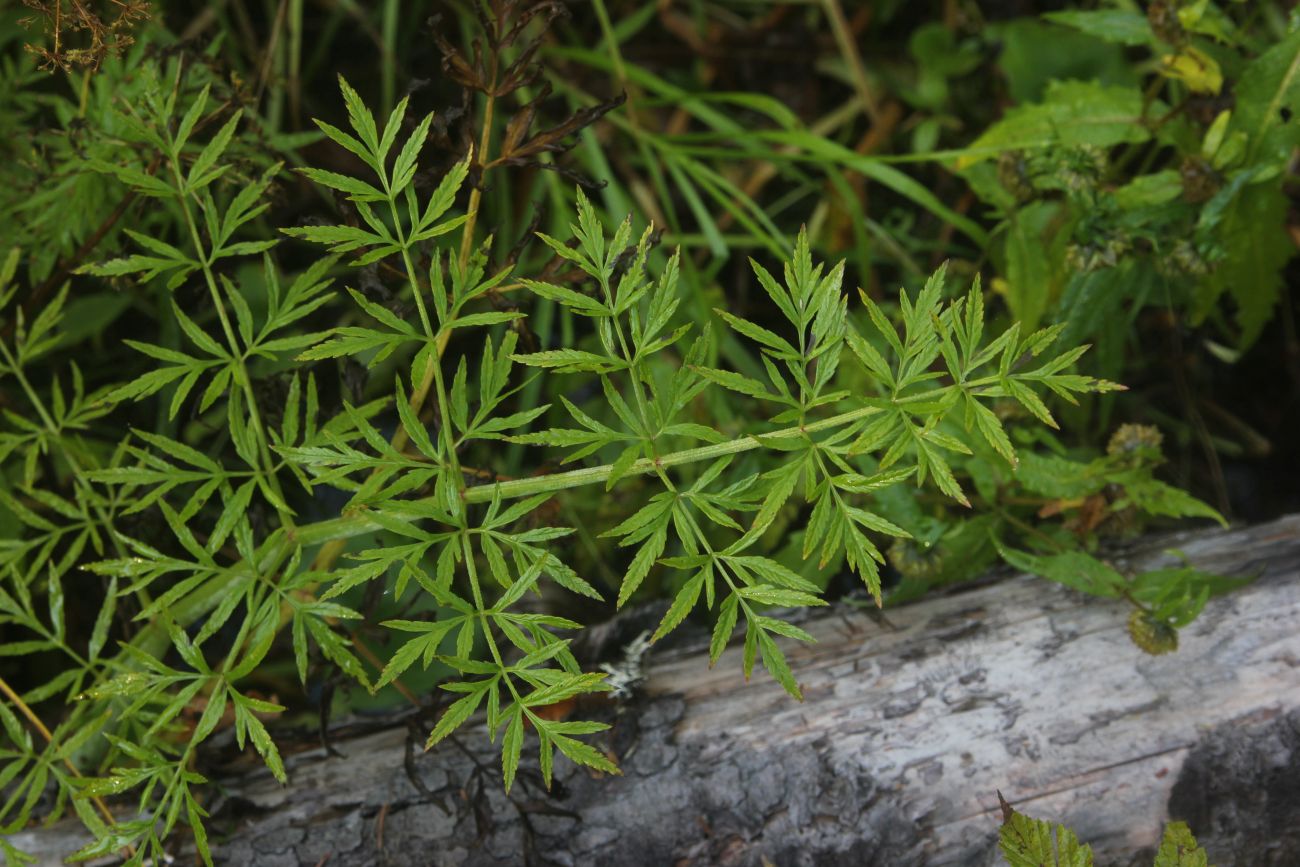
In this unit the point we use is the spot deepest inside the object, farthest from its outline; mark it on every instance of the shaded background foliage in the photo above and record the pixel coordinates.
(936, 77)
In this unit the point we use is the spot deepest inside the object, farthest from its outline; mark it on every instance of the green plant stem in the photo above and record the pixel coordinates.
(698, 532)
(355, 525)
(718, 563)
(388, 31)
(634, 371)
(1024, 526)
(444, 426)
(434, 372)
(27, 389)
(241, 370)
(154, 639)
(481, 607)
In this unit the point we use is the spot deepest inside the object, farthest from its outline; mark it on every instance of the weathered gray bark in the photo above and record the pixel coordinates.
(907, 732)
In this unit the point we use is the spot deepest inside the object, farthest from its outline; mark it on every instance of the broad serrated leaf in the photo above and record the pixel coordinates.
(1027, 842)
(1178, 848)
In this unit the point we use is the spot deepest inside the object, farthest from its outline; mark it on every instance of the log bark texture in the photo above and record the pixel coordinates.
(908, 730)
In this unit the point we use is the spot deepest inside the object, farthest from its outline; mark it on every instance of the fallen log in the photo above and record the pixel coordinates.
(909, 728)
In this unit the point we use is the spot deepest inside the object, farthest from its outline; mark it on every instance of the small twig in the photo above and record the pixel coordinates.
(379, 826)
(26, 711)
(849, 49)
(371, 657)
(272, 42)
